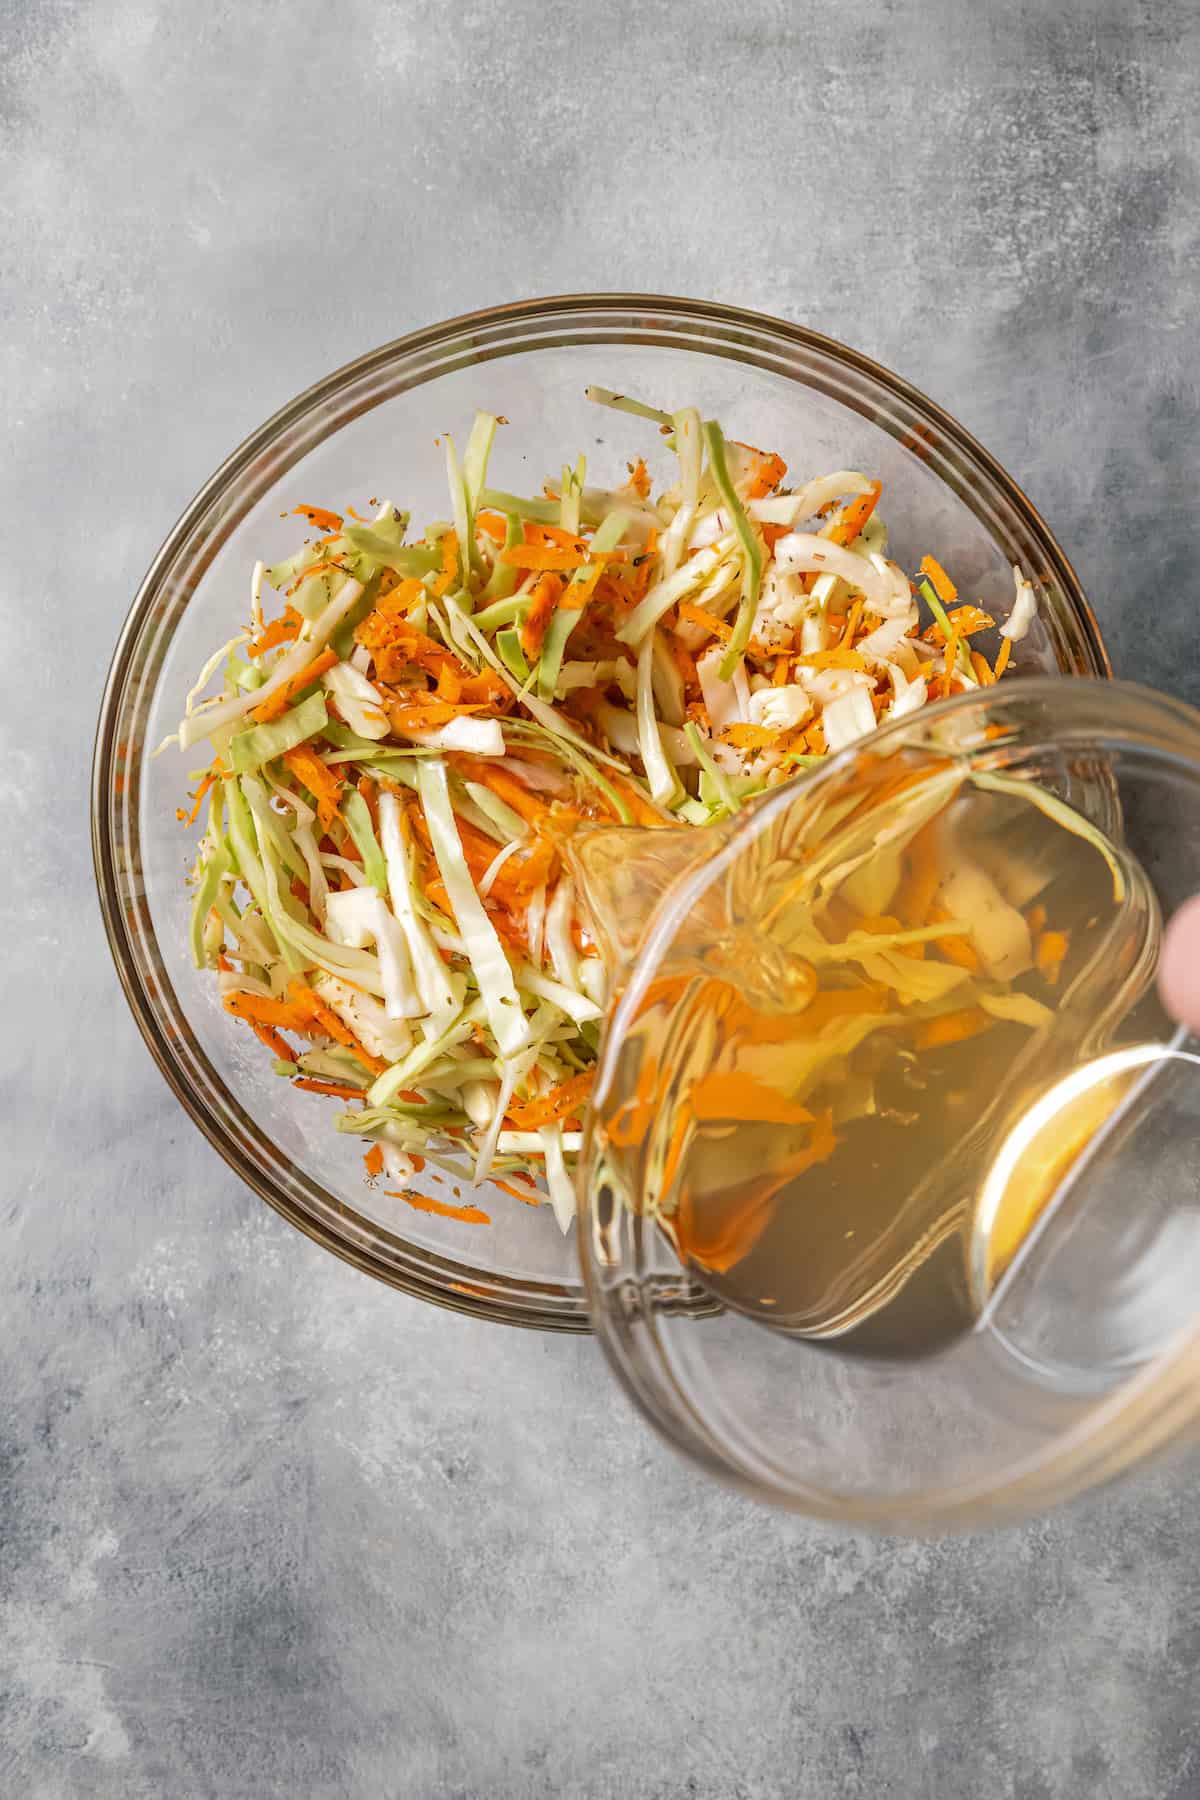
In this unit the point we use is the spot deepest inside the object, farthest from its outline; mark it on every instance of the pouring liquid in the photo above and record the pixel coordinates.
(812, 1124)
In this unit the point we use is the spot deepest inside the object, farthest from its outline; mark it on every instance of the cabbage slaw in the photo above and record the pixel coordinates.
(402, 753)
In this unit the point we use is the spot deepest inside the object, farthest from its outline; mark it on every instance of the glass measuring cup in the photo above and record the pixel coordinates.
(1081, 1352)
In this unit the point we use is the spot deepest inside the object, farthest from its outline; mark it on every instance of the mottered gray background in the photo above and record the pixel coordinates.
(266, 1528)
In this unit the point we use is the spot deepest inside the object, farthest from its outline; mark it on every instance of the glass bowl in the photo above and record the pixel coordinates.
(1081, 1354)
(368, 430)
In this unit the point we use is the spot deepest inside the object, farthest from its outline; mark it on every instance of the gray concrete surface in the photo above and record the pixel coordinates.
(266, 1529)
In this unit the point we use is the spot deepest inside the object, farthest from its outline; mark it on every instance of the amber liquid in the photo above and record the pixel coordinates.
(844, 1211)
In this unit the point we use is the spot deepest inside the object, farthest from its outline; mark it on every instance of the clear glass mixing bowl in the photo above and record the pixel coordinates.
(1084, 1356)
(369, 430)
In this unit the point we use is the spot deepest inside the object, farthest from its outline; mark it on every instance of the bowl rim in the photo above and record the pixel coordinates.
(555, 1306)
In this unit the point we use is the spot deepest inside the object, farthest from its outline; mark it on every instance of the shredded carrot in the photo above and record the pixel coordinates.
(1035, 918)
(639, 478)
(1052, 947)
(421, 712)
(335, 1088)
(542, 557)
(824, 1008)
(943, 587)
(373, 1160)
(275, 1044)
(560, 1102)
(923, 876)
(696, 615)
(467, 1215)
(685, 662)
(543, 604)
(982, 668)
(681, 1132)
(1002, 659)
(332, 1026)
(767, 470)
(736, 1096)
(318, 516)
(643, 812)
(966, 621)
(853, 621)
(322, 782)
(958, 950)
(845, 526)
(528, 1197)
(748, 737)
(260, 1009)
(369, 792)
(951, 1028)
(555, 537)
(279, 631)
(213, 776)
(493, 525)
(392, 632)
(277, 703)
(731, 1231)
(445, 580)
(576, 594)
(401, 598)
(840, 657)
(771, 534)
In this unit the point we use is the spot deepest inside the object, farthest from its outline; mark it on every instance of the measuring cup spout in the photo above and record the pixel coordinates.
(623, 872)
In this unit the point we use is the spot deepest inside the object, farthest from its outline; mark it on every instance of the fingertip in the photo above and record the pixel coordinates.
(1179, 965)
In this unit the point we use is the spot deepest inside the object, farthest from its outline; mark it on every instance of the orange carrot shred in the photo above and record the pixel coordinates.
(449, 564)
(542, 557)
(952, 1028)
(320, 517)
(767, 470)
(943, 587)
(275, 1044)
(373, 1160)
(277, 703)
(748, 737)
(261, 1009)
(322, 783)
(560, 1102)
(696, 615)
(845, 526)
(197, 800)
(528, 1196)
(279, 631)
(542, 607)
(467, 1215)
(735, 1096)
(1052, 947)
(329, 1022)
(1002, 659)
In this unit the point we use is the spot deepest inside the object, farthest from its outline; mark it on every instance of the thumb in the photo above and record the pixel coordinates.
(1179, 965)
